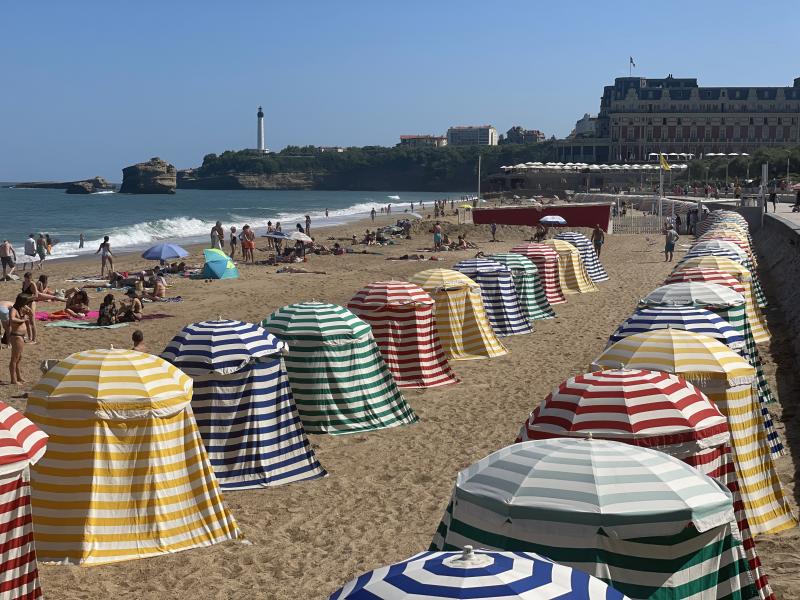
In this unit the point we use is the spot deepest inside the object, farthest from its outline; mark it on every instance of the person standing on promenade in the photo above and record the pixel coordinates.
(8, 257)
(372, 214)
(598, 239)
(30, 250)
(105, 256)
(81, 239)
(670, 237)
(308, 226)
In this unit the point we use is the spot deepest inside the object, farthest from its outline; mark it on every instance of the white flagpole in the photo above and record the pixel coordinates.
(660, 190)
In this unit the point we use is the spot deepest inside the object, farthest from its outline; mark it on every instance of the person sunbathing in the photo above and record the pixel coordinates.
(299, 270)
(77, 304)
(131, 311)
(108, 311)
(44, 293)
(159, 288)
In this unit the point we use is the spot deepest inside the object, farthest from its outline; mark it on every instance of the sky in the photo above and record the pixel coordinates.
(91, 87)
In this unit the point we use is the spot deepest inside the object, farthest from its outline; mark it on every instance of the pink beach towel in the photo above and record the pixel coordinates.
(60, 315)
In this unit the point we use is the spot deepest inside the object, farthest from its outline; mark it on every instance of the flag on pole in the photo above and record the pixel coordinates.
(633, 64)
(664, 164)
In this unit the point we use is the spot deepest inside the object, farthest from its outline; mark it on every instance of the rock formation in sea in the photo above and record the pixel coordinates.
(89, 186)
(155, 176)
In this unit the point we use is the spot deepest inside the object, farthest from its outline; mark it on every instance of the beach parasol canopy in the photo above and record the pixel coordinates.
(693, 293)
(218, 265)
(476, 575)
(221, 346)
(553, 220)
(21, 442)
(276, 235)
(164, 252)
(298, 236)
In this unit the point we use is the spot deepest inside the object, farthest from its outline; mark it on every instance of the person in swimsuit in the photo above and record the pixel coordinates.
(108, 311)
(159, 287)
(248, 244)
(234, 242)
(105, 256)
(137, 337)
(8, 257)
(77, 304)
(133, 311)
(18, 316)
(41, 249)
(30, 291)
(44, 293)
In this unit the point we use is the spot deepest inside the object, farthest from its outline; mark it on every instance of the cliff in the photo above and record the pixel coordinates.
(84, 186)
(155, 176)
(190, 179)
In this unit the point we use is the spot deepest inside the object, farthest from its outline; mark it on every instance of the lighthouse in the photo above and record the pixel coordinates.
(260, 140)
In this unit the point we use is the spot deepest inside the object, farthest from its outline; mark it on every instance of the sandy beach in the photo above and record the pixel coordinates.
(386, 490)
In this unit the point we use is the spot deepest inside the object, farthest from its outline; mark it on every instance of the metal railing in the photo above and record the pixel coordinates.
(637, 224)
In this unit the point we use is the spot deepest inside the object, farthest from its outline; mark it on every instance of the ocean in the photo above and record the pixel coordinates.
(136, 222)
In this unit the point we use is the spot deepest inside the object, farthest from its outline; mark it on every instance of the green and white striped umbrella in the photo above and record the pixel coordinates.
(641, 520)
(530, 289)
(339, 379)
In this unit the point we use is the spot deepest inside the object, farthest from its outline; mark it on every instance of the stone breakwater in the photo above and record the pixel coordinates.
(778, 245)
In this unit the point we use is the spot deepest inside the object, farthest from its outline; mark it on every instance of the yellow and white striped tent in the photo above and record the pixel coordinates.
(571, 270)
(126, 474)
(727, 379)
(461, 318)
(755, 316)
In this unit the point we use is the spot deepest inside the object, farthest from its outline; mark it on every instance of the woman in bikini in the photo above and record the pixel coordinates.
(108, 311)
(249, 244)
(77, 304)
(105, 256)
(18, 316)
(234, 242)
(44, 293)
(133, 311)
(30, 291)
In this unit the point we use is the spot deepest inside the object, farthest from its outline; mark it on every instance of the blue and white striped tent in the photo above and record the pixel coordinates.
(243, 404)
(499, 295)
(589, 257)
(478, 575)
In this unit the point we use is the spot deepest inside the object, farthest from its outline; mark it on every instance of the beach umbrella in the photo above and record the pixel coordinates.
(401, 315)
(528, 285)
(553, 220)
(276, 235)
(464, 327)
(243, 404)
(499, 295)
(693, 293)
(218, 265)
(164, 252)
(572, 272)
(477, 575)
(727, 379)
(547, 262)
(617, 512)
(298, 236)
(22, 444)
(123, 444)
(589, 257)
(339, 380)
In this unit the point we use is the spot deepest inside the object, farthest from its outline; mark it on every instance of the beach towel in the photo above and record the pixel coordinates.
(62, 315)
(84, 325)
(175, 299)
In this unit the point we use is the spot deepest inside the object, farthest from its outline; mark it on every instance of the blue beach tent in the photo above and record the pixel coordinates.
(218, 265)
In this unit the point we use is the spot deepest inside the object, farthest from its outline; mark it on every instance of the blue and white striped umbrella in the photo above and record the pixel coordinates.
(478, 576)
(688, 318)
(243, 405)
(221, 347)
(499, 295)
(588, 255)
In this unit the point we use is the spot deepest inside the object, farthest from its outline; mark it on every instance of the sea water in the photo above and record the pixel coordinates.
(134, 221)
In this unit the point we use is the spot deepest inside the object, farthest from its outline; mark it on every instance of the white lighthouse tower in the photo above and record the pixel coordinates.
(260, 141)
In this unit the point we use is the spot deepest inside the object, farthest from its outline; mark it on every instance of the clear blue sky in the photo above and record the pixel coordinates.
(90, 87)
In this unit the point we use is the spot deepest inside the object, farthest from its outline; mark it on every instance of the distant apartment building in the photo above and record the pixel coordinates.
(437, 141)
(472, 135)
(518, 135)
(639, 116)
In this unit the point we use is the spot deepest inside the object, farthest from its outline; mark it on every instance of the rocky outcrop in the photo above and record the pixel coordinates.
(89, 186)
(155, 176)
(190, 179)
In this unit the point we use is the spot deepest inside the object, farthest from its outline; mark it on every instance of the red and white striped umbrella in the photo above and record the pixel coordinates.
(707, 276)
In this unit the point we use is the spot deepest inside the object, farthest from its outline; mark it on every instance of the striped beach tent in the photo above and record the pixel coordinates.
(755, 316)
(727, 379)
(727, 250)
(21, 444)
(339, 380)
(654, 410)
(528, 285)
(499, 295)
(589, 257)
(126, 474)
(243, 404)
(546, 260)
(479, 575)
(404, 327)
(571, 270)
(464, 328)
(730, 306)
(636, 518)
(732, 237)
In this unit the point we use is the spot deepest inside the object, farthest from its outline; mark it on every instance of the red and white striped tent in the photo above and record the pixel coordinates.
(21, 444)
(546, 260)
(706, 276)
(404, 326)
(655, 410)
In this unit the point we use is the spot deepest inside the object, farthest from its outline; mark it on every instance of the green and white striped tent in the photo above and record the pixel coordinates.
(644, 522)
(339, 379)
(530, 290)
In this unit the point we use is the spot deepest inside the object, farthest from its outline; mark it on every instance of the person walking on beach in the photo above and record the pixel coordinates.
(233, 242)
(308, 225)
(494, 232)
(105, 256)
(217, 235)
(41, 249)
(670, 237)
(18, 317)
(598, 239)
(80, 241)
(30, 250)
(372, 214)
(437, 237)
(8, 257)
